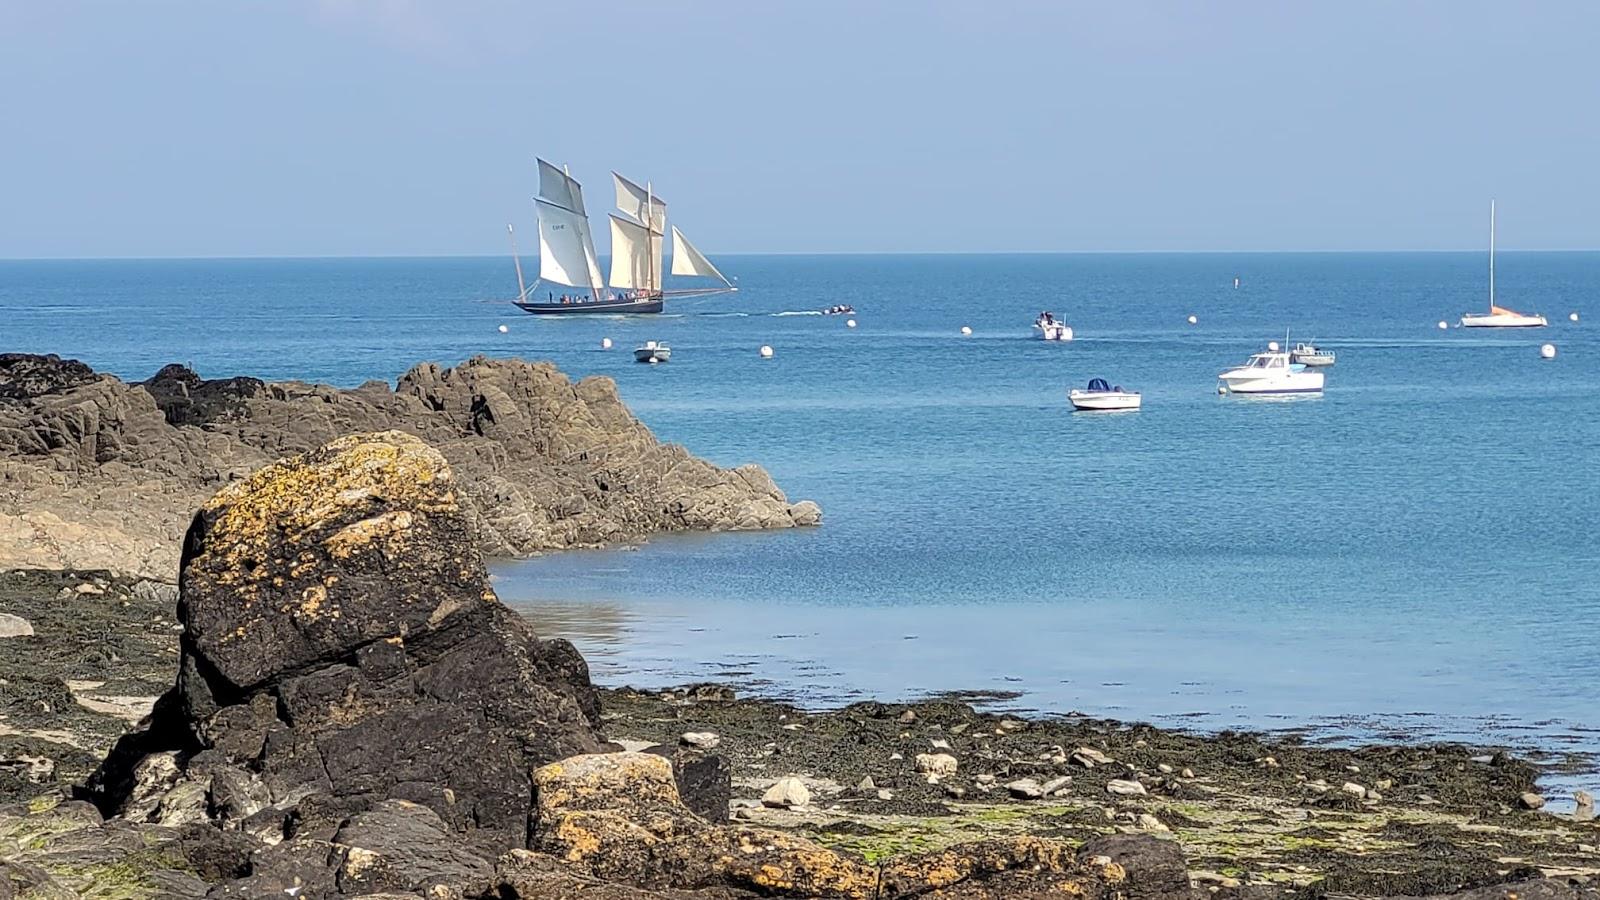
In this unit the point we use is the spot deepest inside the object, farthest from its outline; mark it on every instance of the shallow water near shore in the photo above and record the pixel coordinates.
(1412, 554)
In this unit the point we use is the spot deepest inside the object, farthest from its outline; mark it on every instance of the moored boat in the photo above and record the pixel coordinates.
(1499, 316)
(1311, 355)
(1270, 372)
(1101, 396)
(652, 352)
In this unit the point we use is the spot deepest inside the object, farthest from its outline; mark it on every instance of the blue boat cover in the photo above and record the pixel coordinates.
(1098, 384)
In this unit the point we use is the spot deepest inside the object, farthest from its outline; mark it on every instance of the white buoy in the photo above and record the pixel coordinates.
(1573, 317)
(605, 343)
(766, 352)
(966, 329)
(1548, 351)
(849, 323)
(504, 329)
(1272, 346)
(1444, 326)
(1194, 320)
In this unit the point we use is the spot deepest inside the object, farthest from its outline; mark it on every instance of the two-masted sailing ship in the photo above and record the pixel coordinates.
(569, 271)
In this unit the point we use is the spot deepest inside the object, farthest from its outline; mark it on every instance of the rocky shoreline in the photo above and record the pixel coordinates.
(334, 703)
(99, 474)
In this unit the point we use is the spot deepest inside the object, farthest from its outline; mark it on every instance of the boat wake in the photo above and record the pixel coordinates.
(799, 312)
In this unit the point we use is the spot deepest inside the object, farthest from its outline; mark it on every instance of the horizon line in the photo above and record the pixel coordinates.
(747, 253)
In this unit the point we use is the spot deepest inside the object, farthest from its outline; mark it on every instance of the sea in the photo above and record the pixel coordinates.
(1414, 554)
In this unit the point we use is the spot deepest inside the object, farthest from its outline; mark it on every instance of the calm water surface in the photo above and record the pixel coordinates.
(1415, 552)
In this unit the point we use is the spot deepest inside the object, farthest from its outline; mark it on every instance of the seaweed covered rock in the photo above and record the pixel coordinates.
(342, 645)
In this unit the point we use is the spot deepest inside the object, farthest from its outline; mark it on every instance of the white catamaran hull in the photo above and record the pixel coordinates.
(1104, 400)
(1503, 320)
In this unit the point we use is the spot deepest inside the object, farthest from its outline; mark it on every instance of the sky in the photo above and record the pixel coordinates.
(402, 127)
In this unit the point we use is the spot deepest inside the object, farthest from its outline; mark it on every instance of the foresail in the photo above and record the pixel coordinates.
(686, 260)
(634, 201)
(635, 256)
(566, 249)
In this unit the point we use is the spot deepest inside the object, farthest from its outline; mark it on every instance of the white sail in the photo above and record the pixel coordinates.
(635, 256)
(637, 202)
(686, 260)
(566, 249)
(557, 187)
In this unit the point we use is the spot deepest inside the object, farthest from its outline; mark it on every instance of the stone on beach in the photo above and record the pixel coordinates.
(1088, 757)
(14, 626)
(1025, 789)
(700, 740)
(939, 764)
(1123, 787)
(787, 793)
(1530, 800)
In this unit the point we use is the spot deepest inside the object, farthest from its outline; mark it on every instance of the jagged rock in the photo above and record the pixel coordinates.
(341, 639)
(705, 780)
(400, 846)
(105, 475)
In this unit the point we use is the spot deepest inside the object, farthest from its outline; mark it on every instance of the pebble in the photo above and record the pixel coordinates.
(1124, 788)
(1383, 784)
(1187, 773)
(1530, 800)
(1269, 762)
(1355, 770)
(938, 764)
(1012, 724)
(1164, 769)
(787, 793)
(1056, 785)
(1025, 789)
(87, 588)
(955, 791)
(1350, 787)
(940, 744)
(793, 726)
(907, 718)
(959, 729)
(885, 795)
(985, 779)
(894, 756)
(700, 740)
(14, 626)
(1148, 822)
(866, 786)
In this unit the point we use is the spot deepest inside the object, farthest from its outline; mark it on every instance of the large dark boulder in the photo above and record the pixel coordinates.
(342, 647)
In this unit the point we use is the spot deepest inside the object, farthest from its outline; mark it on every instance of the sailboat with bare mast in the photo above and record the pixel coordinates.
(567, 257)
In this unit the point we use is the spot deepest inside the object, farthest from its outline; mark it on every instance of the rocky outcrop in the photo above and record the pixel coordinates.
(342, 646)
(99, 474)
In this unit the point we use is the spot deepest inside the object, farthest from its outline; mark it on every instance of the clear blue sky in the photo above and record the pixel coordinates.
(352, 127)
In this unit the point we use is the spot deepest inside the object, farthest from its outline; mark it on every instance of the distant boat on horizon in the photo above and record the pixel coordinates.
(1499, 316)
(567, 256)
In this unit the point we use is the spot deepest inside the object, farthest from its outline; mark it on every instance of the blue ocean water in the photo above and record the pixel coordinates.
(1413, 553)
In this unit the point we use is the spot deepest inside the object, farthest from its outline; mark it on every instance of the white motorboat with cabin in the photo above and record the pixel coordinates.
(652, 352)
(1102, 397)
(1499, 316)
(1310, 355)
(567, 256)
(1051, 328)
(1270, 372)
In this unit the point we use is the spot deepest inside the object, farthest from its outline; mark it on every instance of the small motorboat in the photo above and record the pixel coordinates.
(652, 352)
(1270, 372)
(1101, 396)
(1310, 355)
(1051, 328)
(841, 310)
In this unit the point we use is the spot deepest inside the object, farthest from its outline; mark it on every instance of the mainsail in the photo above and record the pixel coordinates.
(636, 202)
(566, 246)
(686, 260)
